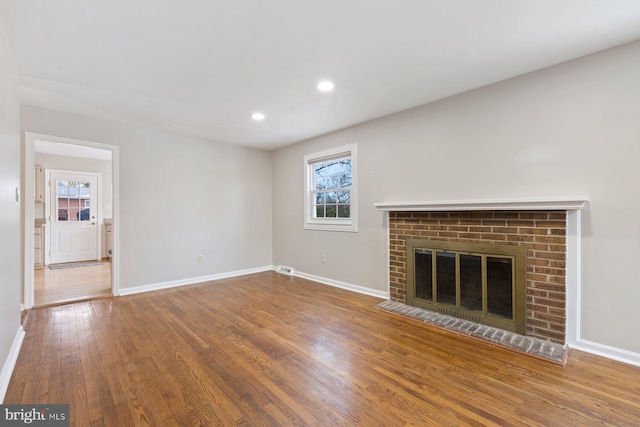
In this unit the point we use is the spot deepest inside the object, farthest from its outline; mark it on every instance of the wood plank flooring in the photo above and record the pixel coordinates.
(71, 284)
(270, 350)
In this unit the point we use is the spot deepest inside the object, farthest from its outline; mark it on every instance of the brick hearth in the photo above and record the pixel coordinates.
(543, 233)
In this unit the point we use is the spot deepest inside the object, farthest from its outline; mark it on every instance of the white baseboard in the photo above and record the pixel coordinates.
(10, 363)
(191, 281)
(343, 285)
(602, 350)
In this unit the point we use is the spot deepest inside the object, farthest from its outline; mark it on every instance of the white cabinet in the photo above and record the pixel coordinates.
(38, 246)
(39, 184)
(109, 237)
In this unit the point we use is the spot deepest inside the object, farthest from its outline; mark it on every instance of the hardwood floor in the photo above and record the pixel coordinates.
(71, 284)
(267, 349)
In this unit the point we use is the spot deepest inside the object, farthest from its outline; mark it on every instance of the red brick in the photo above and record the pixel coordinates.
(520, 238)
(558, 231)
(494, 236)
(447, 234)
(538, 308)
(537, 323)
(550, 255)
(534, 215)
(557, 279)
(494, 222)
(538, 293)
(548, 270)
(557, 264)
(506, 230)
(548, 317)
(559, 240)
(537, 277)
(551, 224)
(520, 223)
(548, 302)
(554, 336)
(475, 236)
(549, 286)
(538, 262)
(536, 231)
(538, 246)
(558, 215)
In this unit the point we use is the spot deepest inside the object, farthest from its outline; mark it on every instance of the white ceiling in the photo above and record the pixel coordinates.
(201, 67)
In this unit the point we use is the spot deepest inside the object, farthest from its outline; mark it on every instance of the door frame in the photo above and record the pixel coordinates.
(48, 214)
(28, 210)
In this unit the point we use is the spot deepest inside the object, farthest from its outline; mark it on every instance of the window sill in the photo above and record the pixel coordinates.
(332, 226)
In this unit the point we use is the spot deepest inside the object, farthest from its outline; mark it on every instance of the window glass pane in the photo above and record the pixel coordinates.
(321, 183)
(500, 287)
(346, 166)
(83, 214)
(62, 189)
(345, 181)
(446, 277)
(344, 211)
(331, 211)
(344, 196)
(471, 282)
(323, 169)
(319, 198)
(333, 181)
(424, 274)
(63, 207)
(320, 211)
(330, 197)
(84, 189)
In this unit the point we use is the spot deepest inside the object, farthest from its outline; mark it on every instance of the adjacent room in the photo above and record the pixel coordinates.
(336, 213)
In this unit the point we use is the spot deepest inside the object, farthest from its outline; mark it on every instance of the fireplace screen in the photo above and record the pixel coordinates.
(479, 282)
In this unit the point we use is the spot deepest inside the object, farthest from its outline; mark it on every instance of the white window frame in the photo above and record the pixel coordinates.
(331, 224)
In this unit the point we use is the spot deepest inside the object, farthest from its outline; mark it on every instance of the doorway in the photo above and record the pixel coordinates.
(73, 223)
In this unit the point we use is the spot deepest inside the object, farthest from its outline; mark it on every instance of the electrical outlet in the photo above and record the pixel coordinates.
(200, 258)
(323, 259)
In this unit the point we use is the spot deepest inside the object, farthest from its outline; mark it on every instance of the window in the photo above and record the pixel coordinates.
(73, 200)
(331, 190)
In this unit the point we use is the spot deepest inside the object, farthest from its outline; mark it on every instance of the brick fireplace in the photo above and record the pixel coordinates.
(541, 228)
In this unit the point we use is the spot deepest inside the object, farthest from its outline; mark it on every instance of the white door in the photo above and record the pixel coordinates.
(73, 217)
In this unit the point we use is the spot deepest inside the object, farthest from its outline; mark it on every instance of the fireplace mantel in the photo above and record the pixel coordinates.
(549, 203)
(572, 205)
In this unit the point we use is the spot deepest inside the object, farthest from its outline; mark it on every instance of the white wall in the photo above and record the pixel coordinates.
(569, 130)
(10, 240)
(53, 161)
(179, 197)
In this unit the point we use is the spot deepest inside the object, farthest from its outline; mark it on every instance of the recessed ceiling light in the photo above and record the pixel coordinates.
(258, 116)
(325, 86)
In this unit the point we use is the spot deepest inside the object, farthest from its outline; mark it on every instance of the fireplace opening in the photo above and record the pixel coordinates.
(484, 283)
